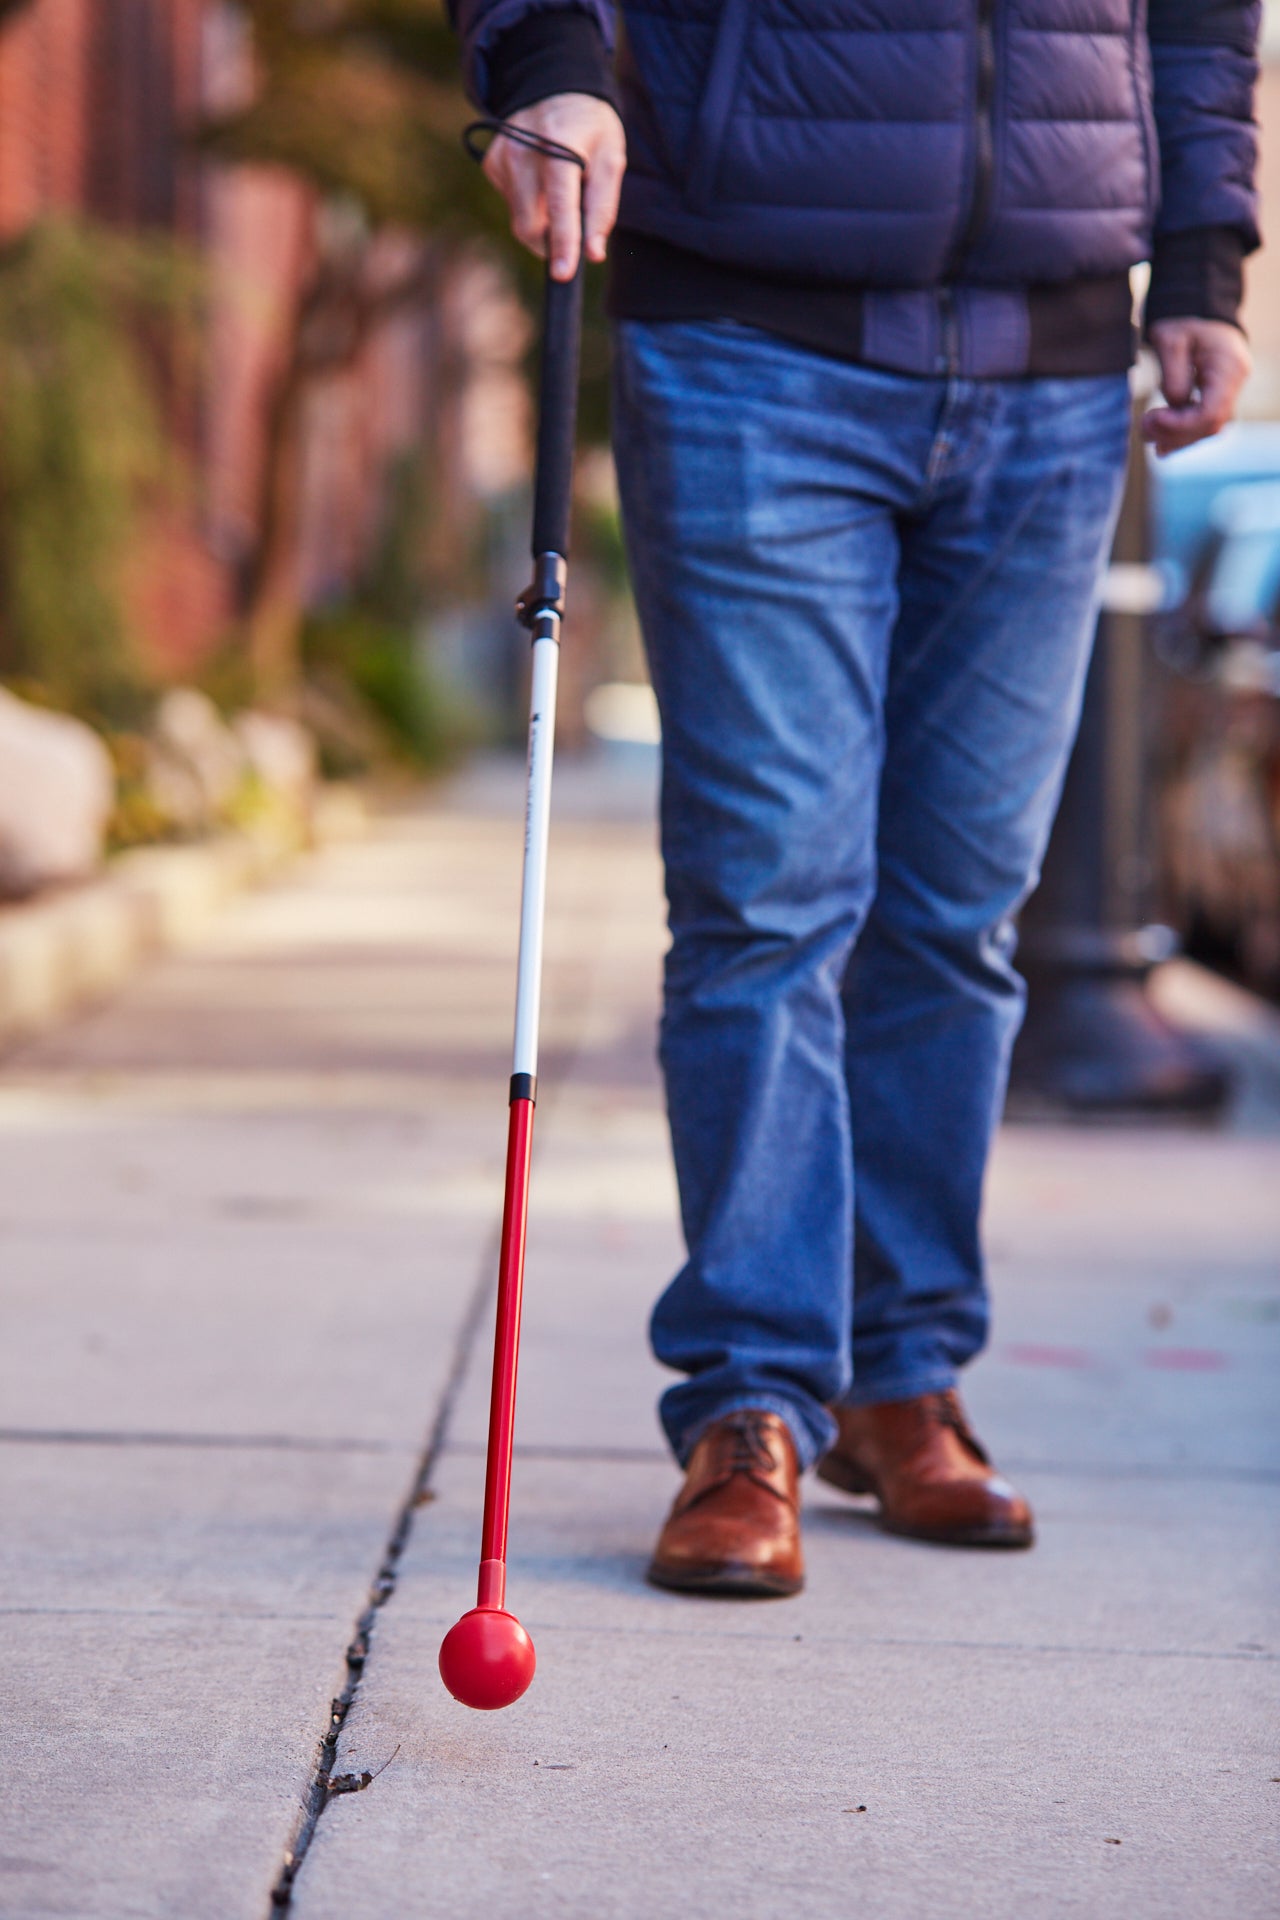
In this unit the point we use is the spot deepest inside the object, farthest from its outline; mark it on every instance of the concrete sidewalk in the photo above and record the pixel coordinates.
(248, 1218)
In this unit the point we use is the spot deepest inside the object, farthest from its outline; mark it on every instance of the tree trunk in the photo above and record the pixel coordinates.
(273, 610)
(333, 318)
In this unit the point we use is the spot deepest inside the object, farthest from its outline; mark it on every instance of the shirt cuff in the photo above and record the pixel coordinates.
(554, 50)
(1197, 274)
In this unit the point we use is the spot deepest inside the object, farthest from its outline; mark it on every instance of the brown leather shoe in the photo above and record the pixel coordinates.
(929, 1472)
(735, 1525)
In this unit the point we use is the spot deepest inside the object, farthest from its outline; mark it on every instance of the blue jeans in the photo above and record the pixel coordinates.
(868, 601)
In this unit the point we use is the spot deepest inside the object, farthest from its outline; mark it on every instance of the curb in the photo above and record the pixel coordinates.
(1189, 995)
(69, 949)
(1239, 1025)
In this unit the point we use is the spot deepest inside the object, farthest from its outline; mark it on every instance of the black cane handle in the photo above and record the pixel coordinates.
(557, 413)
(561, 352)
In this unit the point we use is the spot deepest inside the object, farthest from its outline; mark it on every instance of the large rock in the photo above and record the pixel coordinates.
(282, 755)
(195, 763)
(57, 789)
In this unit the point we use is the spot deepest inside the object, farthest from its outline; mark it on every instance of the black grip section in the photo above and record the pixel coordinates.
(524, 1086)
(557, 414)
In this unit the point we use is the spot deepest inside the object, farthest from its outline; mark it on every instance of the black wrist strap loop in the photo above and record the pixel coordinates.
(477, 145)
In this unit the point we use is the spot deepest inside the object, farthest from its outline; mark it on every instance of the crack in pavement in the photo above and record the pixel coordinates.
(384, 1582)
(1252, 1655)
(251, 1442)
(159, 1613)
(586, 1454)
(558, 1067)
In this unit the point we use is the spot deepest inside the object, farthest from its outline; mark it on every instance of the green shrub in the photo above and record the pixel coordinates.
(378, 659)
(83, 448)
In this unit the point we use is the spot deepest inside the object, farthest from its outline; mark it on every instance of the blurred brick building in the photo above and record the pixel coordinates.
(93, 96)
(97, 100)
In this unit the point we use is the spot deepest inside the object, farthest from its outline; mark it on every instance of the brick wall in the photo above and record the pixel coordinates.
(95, 100)
(44, 118)
(94, 96)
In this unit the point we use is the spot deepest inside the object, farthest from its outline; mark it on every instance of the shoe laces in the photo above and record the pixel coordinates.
(741, 1447)
(945, 1410)
(749, 1450)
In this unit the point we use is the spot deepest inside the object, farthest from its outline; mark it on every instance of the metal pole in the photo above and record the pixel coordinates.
(1093, 1044)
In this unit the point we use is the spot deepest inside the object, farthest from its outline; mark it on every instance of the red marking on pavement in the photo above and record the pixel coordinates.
(1186, 1359)
(1033, 1356)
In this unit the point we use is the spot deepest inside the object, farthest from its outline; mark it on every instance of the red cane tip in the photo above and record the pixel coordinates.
(487, 1659)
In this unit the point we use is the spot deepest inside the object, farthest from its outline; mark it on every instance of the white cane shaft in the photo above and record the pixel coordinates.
(533, 899)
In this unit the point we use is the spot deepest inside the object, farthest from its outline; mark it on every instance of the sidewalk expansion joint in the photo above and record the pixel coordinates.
(607, 1456)
(245, 1442)
(322, 1788)
(383, 1587)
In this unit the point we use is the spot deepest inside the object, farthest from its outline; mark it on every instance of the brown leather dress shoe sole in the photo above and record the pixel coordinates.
(734, 1530)
(930, 1474)
(724, 1582)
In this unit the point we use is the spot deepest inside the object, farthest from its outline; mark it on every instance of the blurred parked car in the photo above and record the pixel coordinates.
(1217, 512)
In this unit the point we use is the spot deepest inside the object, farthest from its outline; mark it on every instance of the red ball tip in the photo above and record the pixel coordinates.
(487, 1659)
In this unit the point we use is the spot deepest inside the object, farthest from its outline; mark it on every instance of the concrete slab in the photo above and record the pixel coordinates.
(154, 1764)
(1079, 1730)
(244, 1212)
(1004, 1719)
(117, 1527)
(173, 1620)
(285, 1328)
(703, 1773)
(583, 1528)
(242, 1215)
(224, 1199)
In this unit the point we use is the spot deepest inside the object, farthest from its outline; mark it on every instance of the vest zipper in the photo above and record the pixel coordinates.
(716, 105)
(984, 137)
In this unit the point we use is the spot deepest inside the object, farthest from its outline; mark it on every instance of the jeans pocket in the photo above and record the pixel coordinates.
(716, 104)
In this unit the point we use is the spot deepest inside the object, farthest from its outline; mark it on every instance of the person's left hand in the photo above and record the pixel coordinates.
(1203, 365)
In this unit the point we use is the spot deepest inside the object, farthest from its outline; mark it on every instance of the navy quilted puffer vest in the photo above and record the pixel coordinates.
(894, 142)
(950, 159)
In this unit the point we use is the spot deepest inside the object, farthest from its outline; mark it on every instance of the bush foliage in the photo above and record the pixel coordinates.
(87, 318)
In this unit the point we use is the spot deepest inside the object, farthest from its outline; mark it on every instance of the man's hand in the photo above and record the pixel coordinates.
(543, 194)
(1203, 365)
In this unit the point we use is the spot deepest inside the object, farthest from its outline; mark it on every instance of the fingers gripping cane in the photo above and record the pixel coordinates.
(487, 1659)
